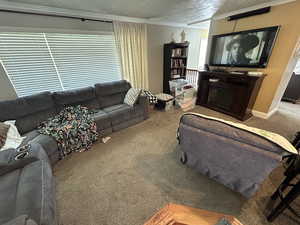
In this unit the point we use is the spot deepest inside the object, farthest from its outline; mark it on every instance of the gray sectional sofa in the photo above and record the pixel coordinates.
(27, 188)
(26, 185)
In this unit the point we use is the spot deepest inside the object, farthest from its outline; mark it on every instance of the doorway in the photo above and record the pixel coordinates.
(192, 74)
(290, 100)
(287, 98)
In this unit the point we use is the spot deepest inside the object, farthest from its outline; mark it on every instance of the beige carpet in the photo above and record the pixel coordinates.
(126, 180)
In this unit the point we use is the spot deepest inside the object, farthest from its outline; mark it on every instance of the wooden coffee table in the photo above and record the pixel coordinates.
(173, 214)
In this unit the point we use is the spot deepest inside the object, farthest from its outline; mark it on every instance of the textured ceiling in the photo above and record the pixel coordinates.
(176, 11)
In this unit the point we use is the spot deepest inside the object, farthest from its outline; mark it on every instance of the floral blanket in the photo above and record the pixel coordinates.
(73, 128)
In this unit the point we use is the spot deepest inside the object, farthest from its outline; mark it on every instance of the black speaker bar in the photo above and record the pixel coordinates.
(250, 13)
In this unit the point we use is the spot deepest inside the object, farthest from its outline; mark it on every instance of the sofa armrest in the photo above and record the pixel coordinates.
(8, 162)
(21, 220)
(144, 102)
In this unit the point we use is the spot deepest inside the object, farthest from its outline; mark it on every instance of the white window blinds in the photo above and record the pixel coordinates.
(37, 62)
(27, 62)
(83, 60)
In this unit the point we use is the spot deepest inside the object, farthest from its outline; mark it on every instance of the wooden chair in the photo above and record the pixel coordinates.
(292, 171)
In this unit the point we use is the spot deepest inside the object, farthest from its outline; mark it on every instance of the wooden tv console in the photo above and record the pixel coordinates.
(229, 93)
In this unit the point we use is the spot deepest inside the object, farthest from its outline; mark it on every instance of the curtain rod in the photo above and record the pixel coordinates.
(49, 14)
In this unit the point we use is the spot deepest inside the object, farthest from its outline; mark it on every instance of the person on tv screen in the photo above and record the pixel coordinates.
(238, 47)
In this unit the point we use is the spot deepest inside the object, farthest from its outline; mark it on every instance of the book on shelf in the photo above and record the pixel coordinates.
(178, 52)
(177, 63)
(175, 76)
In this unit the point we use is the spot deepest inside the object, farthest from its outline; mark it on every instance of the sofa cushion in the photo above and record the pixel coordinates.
(9, 164)
(28, 191)
(32, 121)
(48, 143)
(83, 96)
(111, 93)
(20, 107)
(102, 120)
(8, 185)
(138, 110)
(119, 113)
(28, 111)
(30, 136)
(127, 123)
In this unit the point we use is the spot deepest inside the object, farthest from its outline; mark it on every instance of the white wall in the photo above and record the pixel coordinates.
(159, 35)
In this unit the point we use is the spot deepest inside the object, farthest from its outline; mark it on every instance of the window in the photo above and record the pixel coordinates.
(36, 62)
(27, 62)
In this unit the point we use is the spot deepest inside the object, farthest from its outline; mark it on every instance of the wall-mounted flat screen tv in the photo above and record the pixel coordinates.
(250, 48)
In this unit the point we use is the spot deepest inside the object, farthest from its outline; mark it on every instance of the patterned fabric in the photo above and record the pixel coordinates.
(132, 96)
(152, 98)
(3, 133)
(74, 129)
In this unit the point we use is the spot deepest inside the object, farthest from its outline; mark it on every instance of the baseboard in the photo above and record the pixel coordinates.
(272, 112)
(264, 115)
(260, 114)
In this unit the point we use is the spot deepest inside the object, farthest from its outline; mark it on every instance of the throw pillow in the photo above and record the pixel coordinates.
(3, 133)
(132, 96)
(13, 139)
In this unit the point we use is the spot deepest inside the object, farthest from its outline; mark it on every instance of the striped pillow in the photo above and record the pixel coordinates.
(132, 96)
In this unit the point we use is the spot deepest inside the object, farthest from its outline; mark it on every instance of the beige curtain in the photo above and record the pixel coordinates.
(132, 44)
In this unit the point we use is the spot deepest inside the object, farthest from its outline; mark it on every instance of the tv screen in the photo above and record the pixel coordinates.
(251, 48)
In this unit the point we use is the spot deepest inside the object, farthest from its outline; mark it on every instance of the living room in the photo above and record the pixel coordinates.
(91, 131)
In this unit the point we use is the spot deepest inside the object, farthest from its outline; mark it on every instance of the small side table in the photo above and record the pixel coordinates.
(173, 214)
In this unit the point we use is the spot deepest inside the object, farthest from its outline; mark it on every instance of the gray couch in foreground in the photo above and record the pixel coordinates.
(27, 186)
(27, 191)
(236, 158)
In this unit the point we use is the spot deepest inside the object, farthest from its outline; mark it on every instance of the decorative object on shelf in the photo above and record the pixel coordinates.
(183, 34)
(175, 62)
(172, 38)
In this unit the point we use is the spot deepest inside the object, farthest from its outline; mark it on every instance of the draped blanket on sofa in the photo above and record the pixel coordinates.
(73, 128)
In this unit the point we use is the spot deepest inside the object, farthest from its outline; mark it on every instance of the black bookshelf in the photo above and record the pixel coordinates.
(175, 62)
